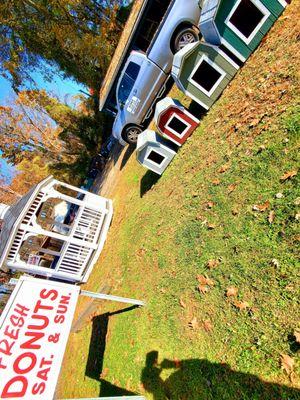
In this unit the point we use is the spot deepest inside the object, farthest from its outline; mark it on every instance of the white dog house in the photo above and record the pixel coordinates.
(154, 152)
(56, 230)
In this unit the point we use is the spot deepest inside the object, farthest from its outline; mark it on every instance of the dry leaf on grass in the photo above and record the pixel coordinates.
(204, 280)
(231, 291)
(182, 303)
(207, 325)
(203, 289)
(177, 363)
(232, 187)
(241, 305)
(212, 263)
(271, 216)
(261, 207)
(224, 168)
(216, 182)
(211, 226)
(210, 204)
(193, 323)
(287, 364)
(297, 335)
(288, 175)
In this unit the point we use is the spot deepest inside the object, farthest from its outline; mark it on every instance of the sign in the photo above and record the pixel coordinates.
(34, 329)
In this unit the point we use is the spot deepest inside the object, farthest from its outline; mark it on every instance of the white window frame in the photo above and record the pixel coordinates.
(215, 66)
(152, 162)
(261, 8)
(177, 134)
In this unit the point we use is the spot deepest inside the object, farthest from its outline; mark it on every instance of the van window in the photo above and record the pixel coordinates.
(133, 70)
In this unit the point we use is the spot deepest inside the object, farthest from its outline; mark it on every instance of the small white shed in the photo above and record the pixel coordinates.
(154, 152)
(56, 230)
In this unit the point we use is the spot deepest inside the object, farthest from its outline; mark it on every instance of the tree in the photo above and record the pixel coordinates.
(77, 36)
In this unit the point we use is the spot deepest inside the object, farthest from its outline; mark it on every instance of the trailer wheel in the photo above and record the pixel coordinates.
(184, 36)
(131, 133)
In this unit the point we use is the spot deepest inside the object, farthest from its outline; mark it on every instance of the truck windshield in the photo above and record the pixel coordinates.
(124, 90)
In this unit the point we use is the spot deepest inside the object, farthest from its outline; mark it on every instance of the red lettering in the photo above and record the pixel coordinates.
(59, 319)
(17, 321)
(29, 345)
(7, 347)
(24, 370)
(52, 294)
(2, 366)
(39, 388)
(44, 324)
(13, 334)
(40, 306)
(65, 300)
(21, 310)
(18, 390)
(43, 374)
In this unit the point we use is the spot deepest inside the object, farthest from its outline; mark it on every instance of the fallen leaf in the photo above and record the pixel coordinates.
(203, 289)
(210, 204)
(193, 323)
(261, 207)
(288, 175)
(204, 280)
(241, 305)
(212, 263)
(287, 364)
(224, 168)
(275, 263)
(232, 187)
(207, 325)
(231, 291)
(235, 211)
(216, 182)
(182, 303)
(297, 335)
(211, 226)
(271, 216)
(254, 122)
(279, 195)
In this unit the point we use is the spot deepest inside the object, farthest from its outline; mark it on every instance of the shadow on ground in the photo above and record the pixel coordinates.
(94, 366)
(197, 379)
(148, 181)
(126, 156)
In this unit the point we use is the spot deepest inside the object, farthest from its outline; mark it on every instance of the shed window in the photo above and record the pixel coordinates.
(206, 75)
(155, 157)
(246, 18)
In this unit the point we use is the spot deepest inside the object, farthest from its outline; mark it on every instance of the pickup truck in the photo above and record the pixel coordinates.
(144, 77)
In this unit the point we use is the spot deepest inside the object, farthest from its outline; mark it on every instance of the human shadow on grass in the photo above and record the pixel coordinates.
(196, 379)
(94, 366)
(148, 181)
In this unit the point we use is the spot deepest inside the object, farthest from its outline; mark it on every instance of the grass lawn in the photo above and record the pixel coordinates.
(223, 216)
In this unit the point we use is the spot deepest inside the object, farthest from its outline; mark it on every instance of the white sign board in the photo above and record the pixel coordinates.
(34, 329)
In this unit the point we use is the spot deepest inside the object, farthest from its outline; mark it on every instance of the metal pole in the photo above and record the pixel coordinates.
(103, 296)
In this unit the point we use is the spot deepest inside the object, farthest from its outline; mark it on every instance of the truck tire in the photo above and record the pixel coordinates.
(184, 36)
(131, 133)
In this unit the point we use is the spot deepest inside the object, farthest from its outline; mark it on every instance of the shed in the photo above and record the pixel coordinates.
(238, 26)
(56, 230)
(174, 121)
(202, 71)
(154, 152)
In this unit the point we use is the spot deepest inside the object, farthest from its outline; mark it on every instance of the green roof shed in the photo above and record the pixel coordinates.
(202, 71)
(238, 25)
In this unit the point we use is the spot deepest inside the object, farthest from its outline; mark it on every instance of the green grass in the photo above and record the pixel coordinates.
(160, 241)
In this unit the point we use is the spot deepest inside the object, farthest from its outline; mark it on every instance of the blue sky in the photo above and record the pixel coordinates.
(64, 89)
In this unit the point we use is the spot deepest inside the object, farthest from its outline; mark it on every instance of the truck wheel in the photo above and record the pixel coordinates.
(131, 133)
(183, 37)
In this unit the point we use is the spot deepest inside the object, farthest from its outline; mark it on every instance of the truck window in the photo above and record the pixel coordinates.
(133, 70)
(124, 90)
